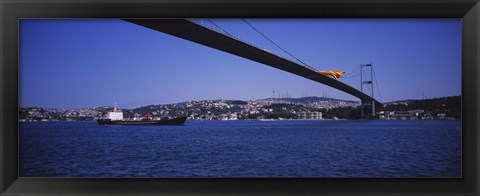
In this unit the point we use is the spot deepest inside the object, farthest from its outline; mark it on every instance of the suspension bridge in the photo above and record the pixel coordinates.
(226, 42)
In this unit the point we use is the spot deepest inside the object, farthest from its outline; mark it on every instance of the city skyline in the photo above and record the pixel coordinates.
(85, 63)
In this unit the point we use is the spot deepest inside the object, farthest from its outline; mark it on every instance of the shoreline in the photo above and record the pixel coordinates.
(263, 120)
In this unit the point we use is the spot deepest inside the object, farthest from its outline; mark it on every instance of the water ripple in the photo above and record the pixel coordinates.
(243, 149)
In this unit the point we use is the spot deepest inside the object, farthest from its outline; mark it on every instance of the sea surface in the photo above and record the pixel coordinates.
(300, 148)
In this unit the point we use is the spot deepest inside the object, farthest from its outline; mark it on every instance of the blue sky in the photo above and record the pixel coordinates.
(72, 63)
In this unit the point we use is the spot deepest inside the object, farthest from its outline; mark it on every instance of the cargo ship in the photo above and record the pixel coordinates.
(115, 117)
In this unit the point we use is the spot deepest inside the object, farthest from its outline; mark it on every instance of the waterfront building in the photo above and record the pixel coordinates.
(309, 115)
(401, 115)
(417, 113)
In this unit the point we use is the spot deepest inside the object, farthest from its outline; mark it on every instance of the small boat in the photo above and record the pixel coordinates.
(115, 117)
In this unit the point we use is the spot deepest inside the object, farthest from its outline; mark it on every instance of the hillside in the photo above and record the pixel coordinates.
(286, 108)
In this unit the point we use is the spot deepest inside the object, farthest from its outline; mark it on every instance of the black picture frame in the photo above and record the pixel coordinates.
(13, 10)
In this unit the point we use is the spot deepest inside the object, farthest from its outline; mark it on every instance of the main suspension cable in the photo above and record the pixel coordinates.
(351, 76)
(350, 72)
(271, 41)
(219, 27)
(378, 89)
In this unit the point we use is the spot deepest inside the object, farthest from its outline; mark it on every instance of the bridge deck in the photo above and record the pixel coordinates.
(185, 29)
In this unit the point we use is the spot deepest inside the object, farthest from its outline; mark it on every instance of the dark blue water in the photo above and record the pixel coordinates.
(243, 149)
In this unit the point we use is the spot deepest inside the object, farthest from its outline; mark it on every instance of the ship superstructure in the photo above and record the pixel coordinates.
(116, 114)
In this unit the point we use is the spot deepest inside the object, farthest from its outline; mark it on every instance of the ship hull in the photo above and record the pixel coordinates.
(174, 121)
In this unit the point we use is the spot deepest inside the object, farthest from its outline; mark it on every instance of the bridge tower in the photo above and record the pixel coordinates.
(368, 82)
